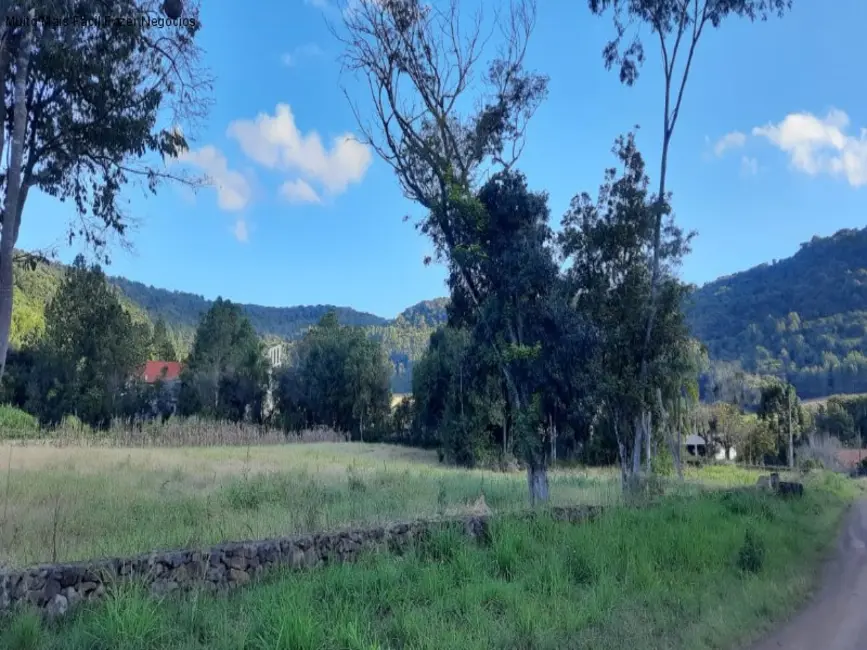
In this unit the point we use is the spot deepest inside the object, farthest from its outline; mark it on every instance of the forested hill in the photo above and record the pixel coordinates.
(427, 313)
(804, 316)
(183, 310)
(405, 337)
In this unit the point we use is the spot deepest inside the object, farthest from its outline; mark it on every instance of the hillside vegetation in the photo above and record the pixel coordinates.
(804, 317)
(405, 337)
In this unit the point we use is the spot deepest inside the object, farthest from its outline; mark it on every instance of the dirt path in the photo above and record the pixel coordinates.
(836, 618)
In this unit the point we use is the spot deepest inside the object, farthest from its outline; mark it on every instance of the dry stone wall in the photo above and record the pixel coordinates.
(55, 588)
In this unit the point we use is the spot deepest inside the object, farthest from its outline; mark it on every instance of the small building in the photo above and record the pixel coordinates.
(167, 371)
(276, 355)
(850, 459)
(697, 446)
(164, 402)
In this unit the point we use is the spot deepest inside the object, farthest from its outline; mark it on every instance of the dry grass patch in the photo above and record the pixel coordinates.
(80, 502)
(71, 503)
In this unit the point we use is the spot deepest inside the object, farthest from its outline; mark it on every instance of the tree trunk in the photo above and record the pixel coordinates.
(553, 433)
(506, 412)
(11, 212)
(505, 435)
(791, 457)
(537, 467)
(669, 424)
(636, 447)
(622, 455)
(537, 480)
(647, 425)
(361, 427)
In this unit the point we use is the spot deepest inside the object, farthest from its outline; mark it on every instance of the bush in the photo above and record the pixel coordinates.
(15, 423)
(14, 418)
(751, 556)
(662, 463)
(810, 464)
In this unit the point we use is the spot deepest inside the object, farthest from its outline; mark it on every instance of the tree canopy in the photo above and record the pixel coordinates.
(90, 353)
(225, 375)
(336, 377)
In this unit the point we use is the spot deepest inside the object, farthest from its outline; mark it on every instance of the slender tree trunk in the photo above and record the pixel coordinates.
(537, 463)
(552, 431)
(791, 457)
(647, 425)
(636, 447)
(622, 454)
(669, 422)
(537, 479)
(11, 211)
(505, 435)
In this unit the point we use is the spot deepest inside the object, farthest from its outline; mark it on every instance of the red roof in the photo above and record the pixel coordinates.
(850, 458)
(166, 370)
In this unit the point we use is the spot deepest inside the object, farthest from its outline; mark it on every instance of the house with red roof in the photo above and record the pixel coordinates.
(167, 371)
(164, 401)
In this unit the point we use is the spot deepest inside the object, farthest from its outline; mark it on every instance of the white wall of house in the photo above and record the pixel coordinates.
(695, 447)
(275, 355)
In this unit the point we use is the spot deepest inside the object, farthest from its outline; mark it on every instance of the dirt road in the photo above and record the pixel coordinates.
(836, 618)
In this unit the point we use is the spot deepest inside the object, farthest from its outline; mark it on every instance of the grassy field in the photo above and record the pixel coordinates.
(60, 503)
(692, 573)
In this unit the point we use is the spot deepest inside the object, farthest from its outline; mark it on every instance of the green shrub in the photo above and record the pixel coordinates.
(810, 464)
(662, 463)
(15, 423)
(751, 556)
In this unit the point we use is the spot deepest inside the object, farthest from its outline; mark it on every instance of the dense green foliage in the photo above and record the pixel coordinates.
(804, 317)
(427, 313)
(336, 377)
(90, 351)
(84, 117)
(405, 338)
(226, 374)
(845, 418)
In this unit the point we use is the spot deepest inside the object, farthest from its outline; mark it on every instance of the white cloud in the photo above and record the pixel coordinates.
(821, 145)
(749, 166)
(307, 51)
(275, 142)
(326, 6)
(299, 191)
(733, 140)
(240, 230)
(233, 189)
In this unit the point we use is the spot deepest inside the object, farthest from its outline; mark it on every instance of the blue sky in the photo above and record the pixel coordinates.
(770, 149)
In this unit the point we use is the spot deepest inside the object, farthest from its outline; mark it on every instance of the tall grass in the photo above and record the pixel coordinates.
(16, 424)
(664, 577)
(81, 502)
(75, 503)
